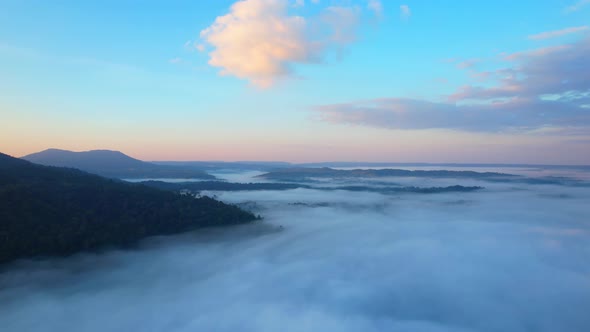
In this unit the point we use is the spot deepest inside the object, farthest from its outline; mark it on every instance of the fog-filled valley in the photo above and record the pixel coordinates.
(295, 166)
(512, 256)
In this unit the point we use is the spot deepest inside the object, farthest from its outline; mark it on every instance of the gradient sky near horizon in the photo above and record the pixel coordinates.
(318, 80)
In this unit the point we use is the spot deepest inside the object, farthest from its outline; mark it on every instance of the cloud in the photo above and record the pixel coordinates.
(536, 52)
(467, 64)
(500, 260)
(577, 6)
(558, 33)
(545, 87)
(261, 41)
(406, 113)
(175, 61)
(376, 7)
(405, 10)
(341, 23)
(299, 3)
(553, 70)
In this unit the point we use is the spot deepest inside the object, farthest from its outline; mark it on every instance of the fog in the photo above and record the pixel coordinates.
(513, 257)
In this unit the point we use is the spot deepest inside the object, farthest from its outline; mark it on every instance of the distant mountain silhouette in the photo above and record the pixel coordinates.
(113, 164)
(48, 211)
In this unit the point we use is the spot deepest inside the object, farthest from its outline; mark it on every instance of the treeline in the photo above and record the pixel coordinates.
(417, 190)
(220, 186)
(196, 187)
(298, 174)
(58, 211)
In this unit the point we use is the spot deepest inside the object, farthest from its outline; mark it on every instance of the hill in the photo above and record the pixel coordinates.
(59, 211)
(113, 164)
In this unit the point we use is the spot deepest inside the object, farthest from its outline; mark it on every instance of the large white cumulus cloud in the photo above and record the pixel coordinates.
(260, 40)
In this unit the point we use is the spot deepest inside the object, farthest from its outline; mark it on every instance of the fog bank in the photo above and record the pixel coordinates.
(511, 258)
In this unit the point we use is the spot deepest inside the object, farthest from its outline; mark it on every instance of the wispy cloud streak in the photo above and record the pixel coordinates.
(558, 33)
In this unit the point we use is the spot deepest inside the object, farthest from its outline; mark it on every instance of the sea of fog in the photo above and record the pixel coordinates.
(513, 257)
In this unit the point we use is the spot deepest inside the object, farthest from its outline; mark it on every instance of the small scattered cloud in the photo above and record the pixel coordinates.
(467, 64)
(192, 46)
(262, 40)
(341, 24)
(406, 12)
(577, 6)
(559, 33)
(175, 61)
(299, 3)
(376, 7)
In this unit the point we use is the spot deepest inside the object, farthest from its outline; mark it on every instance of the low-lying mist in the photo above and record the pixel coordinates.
(513, 257)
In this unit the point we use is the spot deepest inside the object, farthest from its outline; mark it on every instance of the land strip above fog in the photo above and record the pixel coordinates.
(228, 186)
(304, 174)
(316, 178)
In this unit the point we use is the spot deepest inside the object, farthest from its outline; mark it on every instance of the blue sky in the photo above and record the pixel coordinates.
(341, 81)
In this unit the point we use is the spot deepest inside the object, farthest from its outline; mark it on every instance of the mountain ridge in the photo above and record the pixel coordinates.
(112, 163)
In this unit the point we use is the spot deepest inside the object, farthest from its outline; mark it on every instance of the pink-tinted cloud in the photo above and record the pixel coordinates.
(536, 52)
(405, 113)
(559, 33)
(467, 64)
(542, 88)
(554, 70)
(261, 40)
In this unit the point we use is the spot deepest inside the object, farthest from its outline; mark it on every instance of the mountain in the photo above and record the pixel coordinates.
(113, 164)
(48, 211)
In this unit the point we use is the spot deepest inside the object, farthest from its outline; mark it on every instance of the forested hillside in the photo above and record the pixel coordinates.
(58, 211)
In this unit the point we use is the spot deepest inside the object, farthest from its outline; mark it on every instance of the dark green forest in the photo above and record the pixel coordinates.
(198, 186)
(46, 211)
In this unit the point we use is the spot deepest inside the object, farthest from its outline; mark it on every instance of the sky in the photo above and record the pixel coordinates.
(291, 80)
